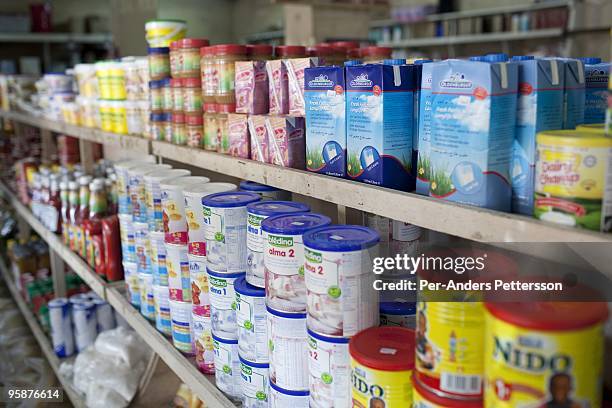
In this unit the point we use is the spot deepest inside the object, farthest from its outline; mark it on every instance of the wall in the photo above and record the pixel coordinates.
(212, 19)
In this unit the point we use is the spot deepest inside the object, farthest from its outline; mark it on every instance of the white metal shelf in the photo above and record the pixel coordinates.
(475, 38)
(184, 368)
(45, 344)
(128, 142)
(464, 221)
(94, 38)
(473, 223)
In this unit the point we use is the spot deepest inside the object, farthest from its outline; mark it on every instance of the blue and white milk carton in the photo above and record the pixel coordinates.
(573, 93)
(418, 73)
(539, 108)
(325, 120)
(473, 116)
(379, 129)
(596, 74)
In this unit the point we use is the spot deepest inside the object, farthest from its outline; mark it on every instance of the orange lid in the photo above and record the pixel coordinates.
(207, 50)
(285, 50)
(226, 107)
(384, 348)
(193, 43)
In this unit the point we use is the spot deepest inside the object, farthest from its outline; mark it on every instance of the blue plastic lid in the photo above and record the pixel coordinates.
(398, 308)
(340, 238)
(590, 60)
(351, 63)
(232, 275)
(56, 73)
(287, 315)
(522, 57)
(245, 288)
(478, 58)
(155, 84)
(230, 199)
(252, 363)
(158, 50)
(329, 339)
(270, 208)
(422, 61)
(58, 302)
(222, 340)
(496, 57)
(159, 117)
(253, 186)
(289, 392)
(394, 61)
(164, 82)
(294, 224)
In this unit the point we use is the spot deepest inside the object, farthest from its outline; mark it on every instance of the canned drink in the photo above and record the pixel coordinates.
(142, 247)
(255, 383)
(288, 349)
(158, 258)
(382, 362)
(251, 321)
(177, 264)
(227, 366)
(400, 314)
(105, 318)
(202, 343)
(147, 302)
(223, 303)
(153, 202)
(547, 354)
(180, 314)
(195, 215)
(126, 235)
(280, 398)
(256, 213)
(61, 327)
(84, 319)
(266, 192)
(173, 207)
(338, 260)
(329, 371)
(163, 322)
(130, 270)
(284, 258)
(121, 170)
(225, 220)
(136, 189)
(200, 297)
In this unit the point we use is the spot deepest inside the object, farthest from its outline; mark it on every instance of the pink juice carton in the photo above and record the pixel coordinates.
(277, 87)
(287, 141)
(259, 138)
(238, 135)
(251, 86)
(295, 73)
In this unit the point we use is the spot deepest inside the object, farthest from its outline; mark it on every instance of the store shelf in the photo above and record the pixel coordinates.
(55, 242)
(183, 367)
(96, 38)
(475, 38)
(43, 341)
(464, 221)
(132, 143)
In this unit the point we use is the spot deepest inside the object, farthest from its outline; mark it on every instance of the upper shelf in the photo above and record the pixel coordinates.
(128, 142)
(96, 38)
(473, 223)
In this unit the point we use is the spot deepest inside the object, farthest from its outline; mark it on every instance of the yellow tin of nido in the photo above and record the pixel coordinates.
(382, 362)
(544, 354)
(570, 179)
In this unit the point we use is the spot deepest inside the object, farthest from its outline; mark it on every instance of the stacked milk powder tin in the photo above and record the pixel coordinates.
(225, 229)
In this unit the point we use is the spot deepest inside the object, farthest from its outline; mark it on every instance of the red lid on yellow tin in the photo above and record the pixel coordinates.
(442, 401)
(384, 348)
(549, 316)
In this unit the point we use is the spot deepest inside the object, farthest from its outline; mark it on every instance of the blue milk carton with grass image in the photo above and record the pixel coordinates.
(325, 120)
(418, 73)
(539, 108)
(473, 116)
(573, 92)
(423, 168)
(379, 126)
(596, 75)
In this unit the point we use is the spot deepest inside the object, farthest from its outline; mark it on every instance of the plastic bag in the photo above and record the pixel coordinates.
(102, 397)
(123, 344)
